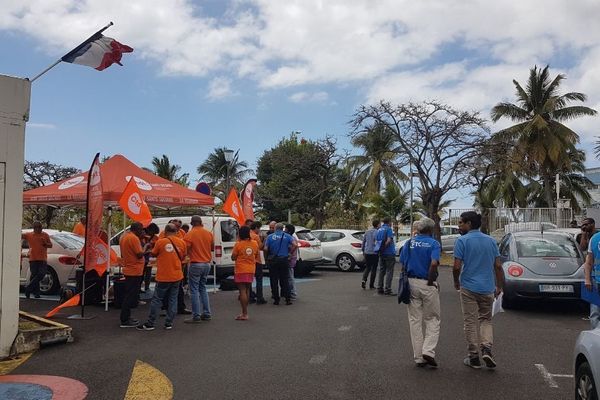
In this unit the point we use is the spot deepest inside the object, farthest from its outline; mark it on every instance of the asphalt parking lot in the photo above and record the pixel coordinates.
(336, 342)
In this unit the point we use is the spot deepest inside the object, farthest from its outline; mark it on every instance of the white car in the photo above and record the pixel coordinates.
(62, 260)
(587, 365)
(342, 247)
(449, 235)
(310, 253)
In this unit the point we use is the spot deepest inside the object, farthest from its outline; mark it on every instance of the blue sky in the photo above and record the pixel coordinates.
(245, 73)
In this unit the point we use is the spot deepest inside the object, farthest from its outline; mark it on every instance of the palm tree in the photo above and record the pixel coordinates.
(541, 142)
(215, 171)
(378, 166)
(163, 168)
(392, 202)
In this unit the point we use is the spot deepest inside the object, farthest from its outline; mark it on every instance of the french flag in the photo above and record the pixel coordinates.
(98, 52)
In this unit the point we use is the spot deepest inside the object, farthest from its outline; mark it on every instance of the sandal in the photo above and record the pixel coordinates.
(241, 318)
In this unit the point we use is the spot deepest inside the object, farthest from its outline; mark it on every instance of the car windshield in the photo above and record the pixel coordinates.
(546, 246)
(305, 235)
(229, 231)
(68, 241)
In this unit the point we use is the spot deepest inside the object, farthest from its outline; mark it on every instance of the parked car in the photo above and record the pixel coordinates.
(449, 234)
(540, 265)
(587, 365)
(342, 247)
(225, 232)
(62, 260)
(310, 253)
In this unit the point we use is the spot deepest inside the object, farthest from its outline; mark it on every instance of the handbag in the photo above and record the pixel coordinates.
(403, 285)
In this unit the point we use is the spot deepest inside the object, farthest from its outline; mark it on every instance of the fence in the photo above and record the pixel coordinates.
(503, 220)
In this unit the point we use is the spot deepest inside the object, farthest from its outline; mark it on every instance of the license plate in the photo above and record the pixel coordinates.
(556, 288)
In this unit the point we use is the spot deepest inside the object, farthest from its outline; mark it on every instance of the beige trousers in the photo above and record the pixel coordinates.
(423, 311)
(477, 316)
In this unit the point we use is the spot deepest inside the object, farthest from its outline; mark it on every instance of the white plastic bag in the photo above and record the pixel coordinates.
(497, 306)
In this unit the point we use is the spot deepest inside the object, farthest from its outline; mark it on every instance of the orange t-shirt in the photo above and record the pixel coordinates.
(246, 253)
(200, 244)
(79, 229)
(256, 237)
(37, 250)
(131, 246)
(168, 264)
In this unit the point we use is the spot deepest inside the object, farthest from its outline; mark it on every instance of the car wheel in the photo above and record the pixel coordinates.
(345, 262)
(49, 283)
(585, 387)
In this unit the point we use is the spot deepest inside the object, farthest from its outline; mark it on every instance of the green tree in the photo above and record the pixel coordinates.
(378, 165)
(300, 176)
(392, 202)
(163, 168)
(541, 142)
(215, 171)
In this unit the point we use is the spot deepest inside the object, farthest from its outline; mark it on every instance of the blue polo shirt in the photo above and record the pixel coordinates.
(594, 247)
(478, 253)
(277, 245)
(382, 234)
(423, 250)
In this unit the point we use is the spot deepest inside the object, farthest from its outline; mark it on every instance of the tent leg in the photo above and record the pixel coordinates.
(109, 267)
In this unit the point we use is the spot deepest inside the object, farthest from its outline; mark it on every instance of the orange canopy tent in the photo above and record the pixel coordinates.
(116, 172)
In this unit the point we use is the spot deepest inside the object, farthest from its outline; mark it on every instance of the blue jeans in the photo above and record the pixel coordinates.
(197, 274)
(595, 316)
(164, 290)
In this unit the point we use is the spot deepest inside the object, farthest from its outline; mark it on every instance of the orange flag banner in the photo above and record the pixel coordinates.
(94, 210)
(72, 302)
(133, 203)
(233, 207)
(101, 249)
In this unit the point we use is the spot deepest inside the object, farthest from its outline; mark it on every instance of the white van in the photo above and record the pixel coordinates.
(225, 231)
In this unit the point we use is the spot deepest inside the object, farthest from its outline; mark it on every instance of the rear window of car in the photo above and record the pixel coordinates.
(547, 246)
(229, 231)
(305, 235)
(358, 235)
(69, 242)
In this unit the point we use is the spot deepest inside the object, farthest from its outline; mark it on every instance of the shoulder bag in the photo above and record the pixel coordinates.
(403, 285)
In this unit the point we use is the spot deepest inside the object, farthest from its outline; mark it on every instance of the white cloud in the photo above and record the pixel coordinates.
(305, 97)
(220, 88)
(39, 125)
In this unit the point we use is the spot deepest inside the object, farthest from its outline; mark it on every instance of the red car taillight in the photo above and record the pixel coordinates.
(303, 243)
(66, 260)
(357, 245)
(515, 270)
(218, 251)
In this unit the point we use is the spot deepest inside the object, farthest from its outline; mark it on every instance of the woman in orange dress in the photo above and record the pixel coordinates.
(245, 254)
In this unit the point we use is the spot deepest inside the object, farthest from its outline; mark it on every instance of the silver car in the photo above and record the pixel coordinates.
(540, 265)
(342, 247)
(62, 260)
(310, 253)
(587, 365)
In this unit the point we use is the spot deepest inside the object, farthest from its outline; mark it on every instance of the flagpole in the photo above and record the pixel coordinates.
(213, 260)
(72, 51)
(108, 266)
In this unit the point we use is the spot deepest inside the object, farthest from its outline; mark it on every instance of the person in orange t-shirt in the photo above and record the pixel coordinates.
(132, 256)
(39, 243)
(257, 297)
(79, 228)
(169, 252)
(245, 255)
(181, 307)
(200, 245)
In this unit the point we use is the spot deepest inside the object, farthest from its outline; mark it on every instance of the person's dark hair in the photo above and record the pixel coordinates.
(255, 224)
(137, 227)
(289, 228)
(152, 229)
(185, 227)
(387, 220)
(590, 220)
(170, 228)
(473, 218)
(375, 223)
(244, 232)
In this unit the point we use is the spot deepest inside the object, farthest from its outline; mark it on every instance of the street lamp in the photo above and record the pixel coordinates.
(228, 154)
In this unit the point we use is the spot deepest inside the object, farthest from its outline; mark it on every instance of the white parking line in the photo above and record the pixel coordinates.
(317, 359)
(549, 378)
(363, 308)
(344, 328)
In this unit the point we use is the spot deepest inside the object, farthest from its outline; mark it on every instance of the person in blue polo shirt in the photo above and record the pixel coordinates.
(278, 247)
(479, 277)
(592, 276)
(387, 257)
(420, 257)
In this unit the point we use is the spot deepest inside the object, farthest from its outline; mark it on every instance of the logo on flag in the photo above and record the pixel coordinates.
(132, 202)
